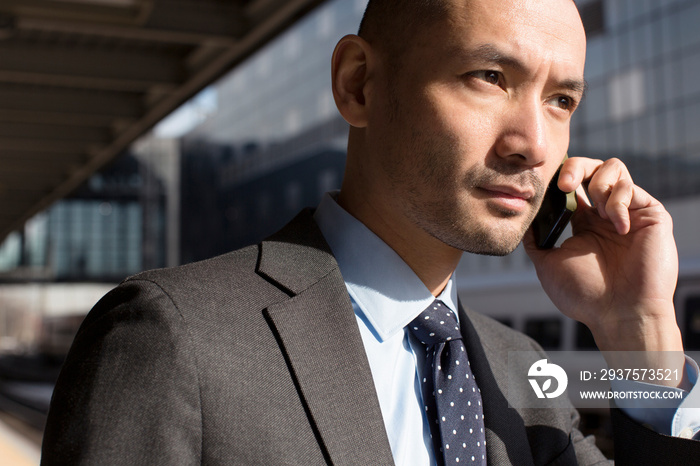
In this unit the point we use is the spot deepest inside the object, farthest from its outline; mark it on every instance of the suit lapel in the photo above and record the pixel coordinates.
(318, 333)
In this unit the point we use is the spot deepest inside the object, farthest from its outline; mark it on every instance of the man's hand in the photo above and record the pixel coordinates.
(618, 272)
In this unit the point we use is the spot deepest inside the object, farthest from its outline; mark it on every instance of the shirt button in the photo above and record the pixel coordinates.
(686, 433)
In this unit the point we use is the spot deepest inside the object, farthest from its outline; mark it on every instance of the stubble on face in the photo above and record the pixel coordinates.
(442, 203)
(463, 229)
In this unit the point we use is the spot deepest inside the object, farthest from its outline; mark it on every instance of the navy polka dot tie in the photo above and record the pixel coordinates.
(450, 395)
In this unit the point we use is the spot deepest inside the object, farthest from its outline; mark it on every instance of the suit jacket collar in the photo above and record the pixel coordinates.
(297, 256)
(318, 333)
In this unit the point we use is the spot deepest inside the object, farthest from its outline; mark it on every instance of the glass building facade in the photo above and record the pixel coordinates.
(110, 228)
(275, 142)
(643, 98)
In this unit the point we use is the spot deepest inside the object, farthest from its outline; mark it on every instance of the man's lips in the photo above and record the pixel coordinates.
(509, 197)
(510, 192)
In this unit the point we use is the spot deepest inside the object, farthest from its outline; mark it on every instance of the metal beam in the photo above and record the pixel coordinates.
(63, 62)
(152, 67)
(43, 161)
(273, 23)
(20, 180)
(176, 21)
(79, 82)
(30, 145)
(40, 132)
(25, 189)
(58, 119)
(47, 164)
(198, 17)
(10, 210)
(76, 10)
(125, 32)
(22, 97)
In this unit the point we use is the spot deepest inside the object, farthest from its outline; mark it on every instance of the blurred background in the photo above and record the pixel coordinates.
(137, 134)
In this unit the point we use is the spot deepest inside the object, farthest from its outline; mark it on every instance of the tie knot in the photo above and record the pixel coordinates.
(437, 324)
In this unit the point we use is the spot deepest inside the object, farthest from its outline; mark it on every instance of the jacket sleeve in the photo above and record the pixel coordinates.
(128, 392)
(638, 445)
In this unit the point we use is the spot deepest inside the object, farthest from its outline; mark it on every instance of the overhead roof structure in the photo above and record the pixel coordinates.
(82, 79)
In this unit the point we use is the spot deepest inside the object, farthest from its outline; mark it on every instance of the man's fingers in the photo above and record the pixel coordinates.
(601, 176)
(617, 206)
(610, 188)
(575, 170)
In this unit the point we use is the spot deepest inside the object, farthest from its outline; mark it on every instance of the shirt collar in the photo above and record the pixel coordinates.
(383, 286)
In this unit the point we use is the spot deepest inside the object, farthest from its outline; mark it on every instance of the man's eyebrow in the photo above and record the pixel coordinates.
(491, 54)
(578, 86)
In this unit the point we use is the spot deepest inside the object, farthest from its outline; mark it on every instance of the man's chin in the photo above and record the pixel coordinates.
(498, 249)
(489, 241)
(480, 234)
(498, 238)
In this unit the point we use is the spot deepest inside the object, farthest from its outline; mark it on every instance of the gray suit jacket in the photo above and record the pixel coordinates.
(255, 357)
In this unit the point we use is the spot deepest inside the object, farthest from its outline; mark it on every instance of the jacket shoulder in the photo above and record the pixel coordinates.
(494, 333)
(202, 273)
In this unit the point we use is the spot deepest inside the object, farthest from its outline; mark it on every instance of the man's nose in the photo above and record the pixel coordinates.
(524, 136)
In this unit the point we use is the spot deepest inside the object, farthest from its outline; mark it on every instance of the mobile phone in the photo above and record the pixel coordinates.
(555, 213)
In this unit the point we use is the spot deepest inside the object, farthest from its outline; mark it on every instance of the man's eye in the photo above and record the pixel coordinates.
(490, 76)
(563, 102)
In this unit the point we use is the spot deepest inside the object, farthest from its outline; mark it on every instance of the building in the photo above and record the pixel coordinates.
(274, 144)
(110, 228)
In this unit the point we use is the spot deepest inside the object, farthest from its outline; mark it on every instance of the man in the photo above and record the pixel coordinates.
(459, 114)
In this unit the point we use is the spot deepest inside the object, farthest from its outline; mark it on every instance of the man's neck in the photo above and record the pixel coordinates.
(430, 259)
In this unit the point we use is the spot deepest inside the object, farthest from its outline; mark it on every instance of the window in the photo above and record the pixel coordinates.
(545, 331)
(692, 323)
(584, 338)
(627, 94)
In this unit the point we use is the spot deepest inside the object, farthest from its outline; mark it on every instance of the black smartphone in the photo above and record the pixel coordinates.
(555, 213)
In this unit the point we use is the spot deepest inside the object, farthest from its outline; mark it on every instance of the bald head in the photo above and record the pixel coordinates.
(389, 24)
(380, 13)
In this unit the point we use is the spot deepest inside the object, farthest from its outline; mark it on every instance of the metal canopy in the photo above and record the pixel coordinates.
(82, 79)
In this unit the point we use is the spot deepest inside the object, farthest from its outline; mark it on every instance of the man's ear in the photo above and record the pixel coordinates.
(349, 70)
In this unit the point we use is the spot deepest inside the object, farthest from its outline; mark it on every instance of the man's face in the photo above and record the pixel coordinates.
(474, 118)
